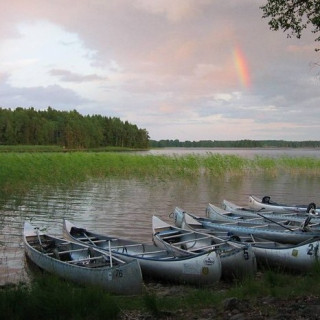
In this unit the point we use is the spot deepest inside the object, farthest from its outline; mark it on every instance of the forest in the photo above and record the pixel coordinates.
(69, 129)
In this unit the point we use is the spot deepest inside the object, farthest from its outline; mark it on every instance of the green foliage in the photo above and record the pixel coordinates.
(150, 301)
(293, 16)
(51, 298)
(69, 130)
(48, 297)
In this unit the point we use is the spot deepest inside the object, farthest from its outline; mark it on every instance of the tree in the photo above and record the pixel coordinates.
(68, 128)
(293, 16)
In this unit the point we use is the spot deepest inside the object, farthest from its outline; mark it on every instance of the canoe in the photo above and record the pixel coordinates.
(266, 204)
(248, 212)
(236, 261)
(306, 221)
(81, 264)
(195, 269)
(270, 231)
(301, 257)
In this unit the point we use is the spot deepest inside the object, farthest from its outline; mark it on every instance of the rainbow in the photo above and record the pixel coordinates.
(242, 67)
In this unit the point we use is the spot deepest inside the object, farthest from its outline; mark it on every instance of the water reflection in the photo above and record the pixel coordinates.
(124, 207)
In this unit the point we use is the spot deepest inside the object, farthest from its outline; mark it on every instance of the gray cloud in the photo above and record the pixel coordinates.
(68, 76)
(39, 97)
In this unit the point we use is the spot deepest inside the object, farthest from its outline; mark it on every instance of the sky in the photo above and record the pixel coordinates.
(181, 69)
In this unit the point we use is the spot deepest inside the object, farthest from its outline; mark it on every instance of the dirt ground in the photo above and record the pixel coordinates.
(302, 308)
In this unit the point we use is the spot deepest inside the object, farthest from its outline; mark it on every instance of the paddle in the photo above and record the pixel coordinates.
(281, 225)
(110, 254)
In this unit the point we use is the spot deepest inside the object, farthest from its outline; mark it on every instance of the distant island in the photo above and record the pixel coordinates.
(234, 144)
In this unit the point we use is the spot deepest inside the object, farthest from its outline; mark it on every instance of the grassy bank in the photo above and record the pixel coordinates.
(19, 171)
(50, 298)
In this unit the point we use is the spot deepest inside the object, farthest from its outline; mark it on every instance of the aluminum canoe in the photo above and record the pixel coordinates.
(267, 204)
(82, 264)
(236, 261)
(300, 257)
(269, 231)
(233, 208)
(307, 221)
(159, 263)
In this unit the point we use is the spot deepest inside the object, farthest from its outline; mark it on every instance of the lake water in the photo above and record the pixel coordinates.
(124, 207)
(242, 152)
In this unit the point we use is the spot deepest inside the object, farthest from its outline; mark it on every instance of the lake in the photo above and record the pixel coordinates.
(124, 207)
(242, 152)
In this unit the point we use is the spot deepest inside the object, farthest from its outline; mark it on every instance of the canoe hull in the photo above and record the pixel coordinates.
(201, 269)
(236, 261)
(303, 257)
(300, 258)
(270, 231)
(290, 221)
(120, 279)
(258, 204)
(247, 213)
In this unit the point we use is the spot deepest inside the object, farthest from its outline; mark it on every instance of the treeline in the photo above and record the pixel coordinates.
(234, 144)
(69, 129)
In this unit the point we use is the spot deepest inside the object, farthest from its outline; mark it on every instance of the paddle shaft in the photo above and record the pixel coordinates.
(281, 225)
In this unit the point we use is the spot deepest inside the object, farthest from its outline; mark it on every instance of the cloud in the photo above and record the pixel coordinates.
(176, 10)
(39, 97)
(167, 66)
(68, 76)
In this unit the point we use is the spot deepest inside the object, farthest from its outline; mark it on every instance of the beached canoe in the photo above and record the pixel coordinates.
(267, 204)
(301, 257)
(237, 261)
(249, 212)
(162, 264)
(82, 264)
(306, 221)
(270, 231)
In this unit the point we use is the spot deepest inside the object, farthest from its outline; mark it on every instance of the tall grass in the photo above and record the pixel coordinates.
(50, 298)
(19, 171)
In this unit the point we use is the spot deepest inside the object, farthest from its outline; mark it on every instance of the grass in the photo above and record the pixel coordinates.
(19, 171)
(48, 297)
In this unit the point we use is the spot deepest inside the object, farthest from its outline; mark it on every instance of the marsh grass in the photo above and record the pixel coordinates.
(19, 171)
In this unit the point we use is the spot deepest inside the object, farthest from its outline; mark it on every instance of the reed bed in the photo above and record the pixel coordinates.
(19, 171)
